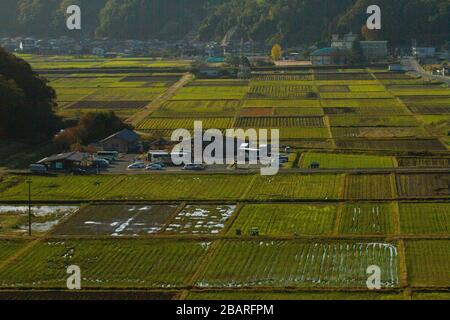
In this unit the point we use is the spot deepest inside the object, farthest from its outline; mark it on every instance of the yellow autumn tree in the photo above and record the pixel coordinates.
(277, 52)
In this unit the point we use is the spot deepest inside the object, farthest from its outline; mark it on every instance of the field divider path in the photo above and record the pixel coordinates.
(393, 183)
(402, 264)
(396, 218)
(159, 101)
(204, 263)
(337, 219)
(343, 187)
(233, 218)
(249, 188)
(173, 215)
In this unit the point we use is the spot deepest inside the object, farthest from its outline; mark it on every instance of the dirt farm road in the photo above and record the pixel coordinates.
(157, 103)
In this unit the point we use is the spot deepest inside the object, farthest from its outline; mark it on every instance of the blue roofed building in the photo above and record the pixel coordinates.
(329, 56)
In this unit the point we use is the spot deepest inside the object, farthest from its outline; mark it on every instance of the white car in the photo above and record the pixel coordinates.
(136, 165)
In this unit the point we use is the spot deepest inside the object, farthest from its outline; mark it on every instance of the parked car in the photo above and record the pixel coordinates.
(79, 172)
(38, 169)
(155, 167)
(136, 165)
(100, 163)
(194, 167)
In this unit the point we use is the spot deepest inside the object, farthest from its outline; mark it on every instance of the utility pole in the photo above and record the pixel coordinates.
(29, 207)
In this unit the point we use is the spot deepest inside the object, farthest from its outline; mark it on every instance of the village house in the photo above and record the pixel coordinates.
(329, 56)
(125, 141)
(65, 161)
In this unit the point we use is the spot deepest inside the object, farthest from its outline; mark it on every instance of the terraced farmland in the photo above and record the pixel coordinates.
(379, 196)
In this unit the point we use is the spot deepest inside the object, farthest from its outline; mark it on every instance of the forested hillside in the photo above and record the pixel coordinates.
(288, 21)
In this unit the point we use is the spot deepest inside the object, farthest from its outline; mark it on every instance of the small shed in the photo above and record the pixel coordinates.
(65, 161)
(125, 141)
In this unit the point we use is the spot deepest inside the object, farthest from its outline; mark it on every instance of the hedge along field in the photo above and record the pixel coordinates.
(337, 160)
(370, 186)
(285, 219)
(338, 264)
(425, 218)
(428, 263)
(296, 186)
(106, 263)
(367, 218)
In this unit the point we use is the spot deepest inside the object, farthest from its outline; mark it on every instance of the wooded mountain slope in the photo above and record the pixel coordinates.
(288, 21)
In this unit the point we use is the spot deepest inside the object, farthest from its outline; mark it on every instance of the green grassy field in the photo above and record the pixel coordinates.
(106, 264)
(336, 161)
(367, 218)
(428, 263)
(285, 219)
(425, 218)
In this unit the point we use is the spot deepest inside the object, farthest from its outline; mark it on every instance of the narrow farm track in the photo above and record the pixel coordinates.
(158, 102)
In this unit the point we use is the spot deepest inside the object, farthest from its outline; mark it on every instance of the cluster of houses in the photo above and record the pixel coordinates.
(105, 47)
(122, 142)
(339, 51)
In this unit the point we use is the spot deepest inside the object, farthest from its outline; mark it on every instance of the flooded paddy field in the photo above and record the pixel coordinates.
(14, 218)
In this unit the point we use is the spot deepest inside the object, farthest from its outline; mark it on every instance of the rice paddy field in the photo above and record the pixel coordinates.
(366, 184)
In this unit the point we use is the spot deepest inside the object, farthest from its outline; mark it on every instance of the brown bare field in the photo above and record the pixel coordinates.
(257, 112)
(423, 185)
(279, 122)
(415, 162)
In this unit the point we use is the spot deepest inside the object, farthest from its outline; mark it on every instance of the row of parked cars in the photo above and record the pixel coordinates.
(159, 166)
